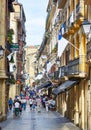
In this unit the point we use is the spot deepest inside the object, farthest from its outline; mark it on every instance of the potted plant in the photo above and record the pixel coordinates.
(10, 36)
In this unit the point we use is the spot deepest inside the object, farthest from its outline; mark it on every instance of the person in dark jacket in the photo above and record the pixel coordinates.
(10, 103)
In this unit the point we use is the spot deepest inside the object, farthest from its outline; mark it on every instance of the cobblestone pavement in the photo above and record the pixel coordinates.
(32, 120)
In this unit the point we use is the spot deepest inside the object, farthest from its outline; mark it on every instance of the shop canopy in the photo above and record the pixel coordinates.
(66, 85)
(45, 85)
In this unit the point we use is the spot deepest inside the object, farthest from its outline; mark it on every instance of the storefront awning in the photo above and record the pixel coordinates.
(64, 86)
(45, 85)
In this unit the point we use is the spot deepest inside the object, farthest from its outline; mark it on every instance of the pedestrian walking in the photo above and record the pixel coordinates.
(23, 103)
(16, 108)
(34, 104)
(46, 104)
(31, 103)
(38, 101)
(10, 103)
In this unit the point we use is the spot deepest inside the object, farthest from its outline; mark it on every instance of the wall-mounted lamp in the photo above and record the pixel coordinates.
(86, 27)
(14, 67)
(58, 61)
(1, 52)
(89, 35)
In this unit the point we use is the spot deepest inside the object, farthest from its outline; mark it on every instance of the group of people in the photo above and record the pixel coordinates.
(34, 100)
(35, 103)
(17, 104)
(48, 103)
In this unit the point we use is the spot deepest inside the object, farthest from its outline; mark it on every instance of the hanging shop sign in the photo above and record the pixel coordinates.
(14, 47)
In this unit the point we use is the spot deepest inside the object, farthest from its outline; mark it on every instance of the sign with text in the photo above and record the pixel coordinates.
(14, 47)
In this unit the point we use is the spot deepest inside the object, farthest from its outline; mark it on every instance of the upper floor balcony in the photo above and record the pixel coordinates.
(50, 14)
(61, 3)
(58, 19)
(71, 19)
(54, 75)
(11, 79)
(76, 16)
(80, 11)
(88, 46)
(64, 29)
(74, 69)
(63, 71)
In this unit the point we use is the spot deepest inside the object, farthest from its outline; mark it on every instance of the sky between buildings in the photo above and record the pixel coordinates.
(35, 11)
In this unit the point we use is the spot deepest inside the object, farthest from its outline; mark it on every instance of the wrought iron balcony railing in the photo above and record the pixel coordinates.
(71, 19)
(50, 14)
(79, 11)
(54, 75)
(76, 67)
(88, 50)
(63, 71)
(73, 67)
(58, 19)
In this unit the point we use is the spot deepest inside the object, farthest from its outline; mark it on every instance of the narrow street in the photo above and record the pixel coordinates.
(32, 120)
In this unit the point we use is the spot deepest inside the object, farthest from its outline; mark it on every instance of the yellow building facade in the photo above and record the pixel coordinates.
(17, 23)
(2, 61)
(69, 17)
(74, 102)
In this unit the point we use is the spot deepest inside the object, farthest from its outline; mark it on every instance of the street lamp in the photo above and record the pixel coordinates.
(87, 28)
(1, 52)
(89, 35)
(58, 61)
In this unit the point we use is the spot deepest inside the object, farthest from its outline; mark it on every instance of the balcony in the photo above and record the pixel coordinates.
(50, 15)
(71, 19)
(89, 52)
(64, 29)
(77, 67)
(51, 76)
(74, 69)
(61, 3)
(58, 19)
(10, 79)
(62, 71)
(79, 13)
(54, 75)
